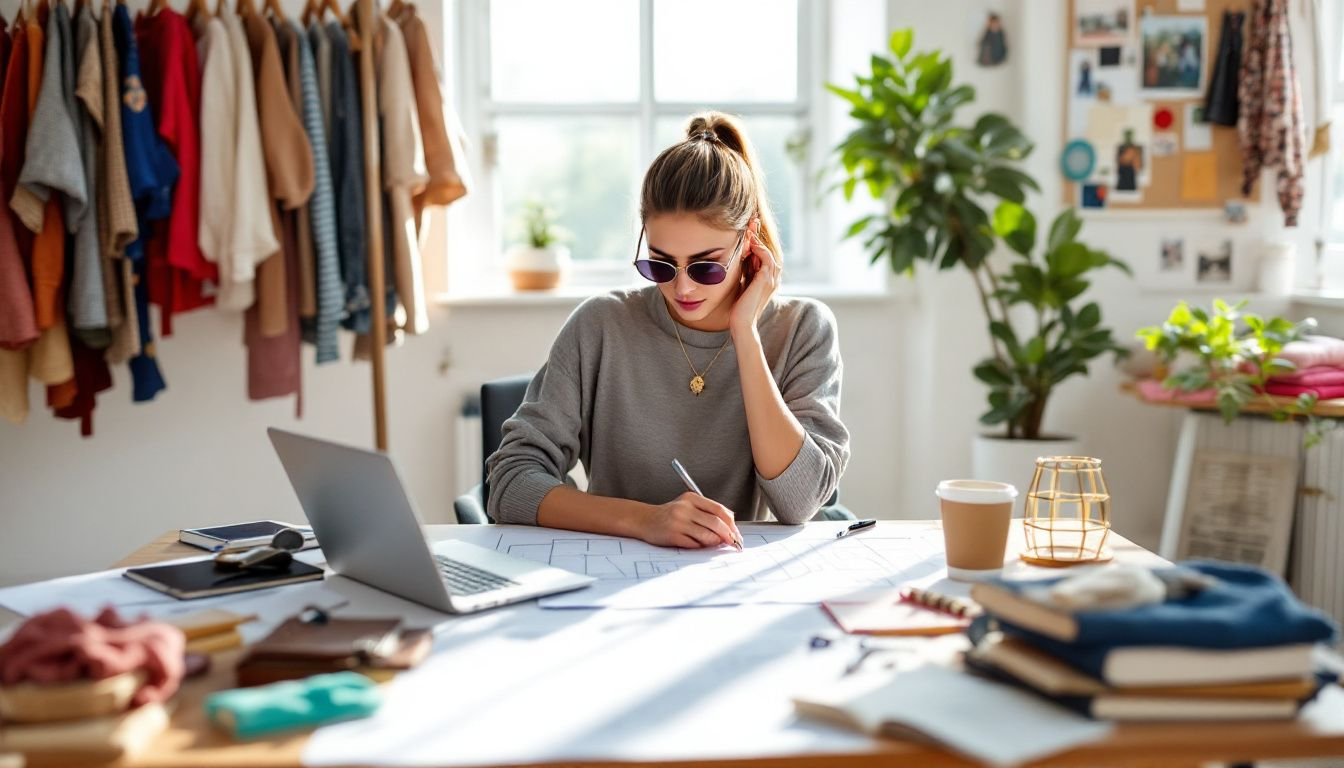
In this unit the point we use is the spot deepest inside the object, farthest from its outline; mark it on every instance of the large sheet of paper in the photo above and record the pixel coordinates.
(779, 564)
(526, 685)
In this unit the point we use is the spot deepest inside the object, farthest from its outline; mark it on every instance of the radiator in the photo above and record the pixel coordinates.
(1315, 569)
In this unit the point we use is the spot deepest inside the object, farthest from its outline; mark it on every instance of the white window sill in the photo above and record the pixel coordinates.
(571, 295)
(1327, 299)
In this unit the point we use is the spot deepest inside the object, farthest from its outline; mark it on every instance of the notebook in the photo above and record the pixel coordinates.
(200, 578)
(907, 612)
(376, 648)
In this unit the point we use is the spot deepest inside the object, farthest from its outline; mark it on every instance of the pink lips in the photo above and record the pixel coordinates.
(690, 306)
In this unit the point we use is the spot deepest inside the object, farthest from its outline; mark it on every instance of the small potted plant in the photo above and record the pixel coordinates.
(1232, 356)
(539, 262)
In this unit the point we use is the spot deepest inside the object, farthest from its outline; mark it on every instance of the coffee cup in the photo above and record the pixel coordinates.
(976, 515)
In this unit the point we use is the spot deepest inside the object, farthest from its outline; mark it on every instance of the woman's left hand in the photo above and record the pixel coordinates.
(767, 269)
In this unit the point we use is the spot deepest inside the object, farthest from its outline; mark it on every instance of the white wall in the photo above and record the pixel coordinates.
(198, 454)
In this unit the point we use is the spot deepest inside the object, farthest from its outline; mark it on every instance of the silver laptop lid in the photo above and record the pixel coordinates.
(348, 493)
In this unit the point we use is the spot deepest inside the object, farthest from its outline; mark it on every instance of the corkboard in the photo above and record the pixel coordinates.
(1164, 188)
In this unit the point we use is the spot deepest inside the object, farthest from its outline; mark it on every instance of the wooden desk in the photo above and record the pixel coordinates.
(1320, 732)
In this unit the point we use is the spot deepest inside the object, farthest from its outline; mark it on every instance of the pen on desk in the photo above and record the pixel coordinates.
(859, 526)
(693, 488)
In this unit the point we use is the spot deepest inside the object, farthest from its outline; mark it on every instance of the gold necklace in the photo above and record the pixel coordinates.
(698, 380)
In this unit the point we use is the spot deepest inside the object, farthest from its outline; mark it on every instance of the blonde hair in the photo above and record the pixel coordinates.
(713, 173)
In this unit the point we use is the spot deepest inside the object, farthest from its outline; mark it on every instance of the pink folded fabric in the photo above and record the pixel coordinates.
(1320, 376)
(1152, 389)
(1314, 351)
(1326, 392)
(61, 647)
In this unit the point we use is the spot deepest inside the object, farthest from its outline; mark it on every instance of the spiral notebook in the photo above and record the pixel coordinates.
(910, 611)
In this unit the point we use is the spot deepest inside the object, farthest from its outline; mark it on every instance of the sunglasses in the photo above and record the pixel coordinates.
(702, 272)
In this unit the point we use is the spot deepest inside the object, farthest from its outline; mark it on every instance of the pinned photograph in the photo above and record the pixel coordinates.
(1093, 196)
(992, 48)
(1165, 144)
(1173, 254)
(1174, 49)
(1103, 23)
(1128, 164)
(1215, 263)
(1198, 134)
(1235, 212)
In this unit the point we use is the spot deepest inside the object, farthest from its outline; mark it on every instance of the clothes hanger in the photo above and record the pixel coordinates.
(395, 8)
(154, 7)
(335, 9)
(197, 9)
(246, 8)
(273, 8)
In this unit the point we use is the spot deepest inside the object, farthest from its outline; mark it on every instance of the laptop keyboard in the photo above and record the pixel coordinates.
(465, 579)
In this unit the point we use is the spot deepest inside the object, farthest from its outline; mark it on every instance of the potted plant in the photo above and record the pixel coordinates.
(937, 178)
(1233, 354)
(540, 260)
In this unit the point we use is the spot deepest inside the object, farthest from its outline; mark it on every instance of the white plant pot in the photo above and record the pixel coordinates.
(1014, 461)
(536, 269)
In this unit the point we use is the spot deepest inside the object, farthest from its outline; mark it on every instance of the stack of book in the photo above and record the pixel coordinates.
(1242, 648)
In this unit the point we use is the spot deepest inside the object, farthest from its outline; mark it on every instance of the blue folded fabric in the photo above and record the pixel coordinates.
(1248, 607)
(293, 704)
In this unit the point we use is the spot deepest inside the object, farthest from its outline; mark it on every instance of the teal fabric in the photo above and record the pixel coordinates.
(294, 704)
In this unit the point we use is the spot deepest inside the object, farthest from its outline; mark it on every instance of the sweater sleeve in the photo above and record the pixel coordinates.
(811, 390)
(540, 443)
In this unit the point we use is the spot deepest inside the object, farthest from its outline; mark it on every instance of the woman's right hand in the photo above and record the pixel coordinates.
(690, 521)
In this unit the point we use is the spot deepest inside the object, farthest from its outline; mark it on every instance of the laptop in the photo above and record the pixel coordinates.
(369, 531)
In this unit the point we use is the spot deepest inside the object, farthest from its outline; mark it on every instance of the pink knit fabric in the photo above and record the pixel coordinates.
(1315, 351)
(61, 647)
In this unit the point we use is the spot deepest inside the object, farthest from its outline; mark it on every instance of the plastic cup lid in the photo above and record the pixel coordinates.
(975, 491)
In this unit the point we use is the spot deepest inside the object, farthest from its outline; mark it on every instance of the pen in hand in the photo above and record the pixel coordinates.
(693, 488)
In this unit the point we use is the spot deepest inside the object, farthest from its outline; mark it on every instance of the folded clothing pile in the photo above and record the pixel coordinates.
(1320, 369)
(89, 687)
(1238, 646)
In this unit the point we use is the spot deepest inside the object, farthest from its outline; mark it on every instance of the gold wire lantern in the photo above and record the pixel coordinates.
(1068, 512)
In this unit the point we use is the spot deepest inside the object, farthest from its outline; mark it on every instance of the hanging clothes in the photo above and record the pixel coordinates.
(320, 212)
(404, 176)
(152, 172)
(13, 128)
(118, 226)
(50, 359)
(93, 285)
(1271, 126)
(289, 54)
(273, 359)
(1221, 105)
(346, 142)
(321, 47)
(219, 106)
(444, 159)
(178, 271)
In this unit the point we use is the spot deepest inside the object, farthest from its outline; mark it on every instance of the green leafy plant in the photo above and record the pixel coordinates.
(935, 176)
(1062, 339)
(1237, 353)
(537, 222)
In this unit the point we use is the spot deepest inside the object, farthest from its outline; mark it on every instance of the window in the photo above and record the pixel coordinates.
(1332, 209)
(572, 100)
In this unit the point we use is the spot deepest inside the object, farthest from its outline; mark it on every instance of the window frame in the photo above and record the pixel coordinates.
(478, 111)
(1332, 233)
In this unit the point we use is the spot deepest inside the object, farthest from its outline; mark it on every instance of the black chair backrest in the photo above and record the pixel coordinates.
(500, 399)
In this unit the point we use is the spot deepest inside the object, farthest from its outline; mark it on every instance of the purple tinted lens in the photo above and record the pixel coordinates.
(657, 271)
(707, 272)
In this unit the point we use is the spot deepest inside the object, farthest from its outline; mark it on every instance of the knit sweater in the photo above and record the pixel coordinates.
(614, 394)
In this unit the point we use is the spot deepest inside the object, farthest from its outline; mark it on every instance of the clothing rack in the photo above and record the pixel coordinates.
(373, 184)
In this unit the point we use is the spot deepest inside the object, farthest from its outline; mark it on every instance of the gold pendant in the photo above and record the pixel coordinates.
(698, 385)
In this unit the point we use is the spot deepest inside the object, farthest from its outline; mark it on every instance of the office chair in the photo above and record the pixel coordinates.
(500, 399)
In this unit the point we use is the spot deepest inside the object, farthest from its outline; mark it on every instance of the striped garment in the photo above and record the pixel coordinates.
(321, 209)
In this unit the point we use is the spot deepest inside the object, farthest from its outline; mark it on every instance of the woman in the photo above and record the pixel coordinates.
(706, 366)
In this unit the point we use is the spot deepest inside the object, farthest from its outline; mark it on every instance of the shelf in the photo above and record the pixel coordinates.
(1333, 409)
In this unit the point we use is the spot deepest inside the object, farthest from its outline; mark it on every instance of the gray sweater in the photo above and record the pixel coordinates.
(614, 394)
